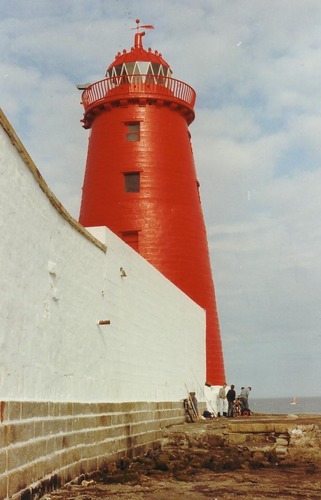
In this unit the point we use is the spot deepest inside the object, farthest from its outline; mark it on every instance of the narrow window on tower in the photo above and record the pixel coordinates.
(131, 238)
(190, 142)
(133, 131)
(198, 190)
(132, 182)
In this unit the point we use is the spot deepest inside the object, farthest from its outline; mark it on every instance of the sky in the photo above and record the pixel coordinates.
(256, 68)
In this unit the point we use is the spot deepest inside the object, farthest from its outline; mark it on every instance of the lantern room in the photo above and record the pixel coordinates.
(138, 61)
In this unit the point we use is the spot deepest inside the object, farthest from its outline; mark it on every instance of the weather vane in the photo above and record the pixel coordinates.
(147, 26)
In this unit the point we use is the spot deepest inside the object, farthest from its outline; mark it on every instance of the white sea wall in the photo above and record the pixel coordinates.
(57, 282)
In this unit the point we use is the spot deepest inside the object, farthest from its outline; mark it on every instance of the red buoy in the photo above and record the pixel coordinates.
(140, 178)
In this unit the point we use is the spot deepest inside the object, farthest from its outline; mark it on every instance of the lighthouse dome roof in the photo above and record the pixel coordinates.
(138, 61)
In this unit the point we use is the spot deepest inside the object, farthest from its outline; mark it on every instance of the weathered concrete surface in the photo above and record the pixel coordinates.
(294, 439)
(255, 457)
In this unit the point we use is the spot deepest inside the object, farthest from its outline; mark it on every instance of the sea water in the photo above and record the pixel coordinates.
(283, 405)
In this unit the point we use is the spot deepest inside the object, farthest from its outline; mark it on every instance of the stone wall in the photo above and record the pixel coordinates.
(87, 320)
(82, 320)
(44, 444)
(291, 439)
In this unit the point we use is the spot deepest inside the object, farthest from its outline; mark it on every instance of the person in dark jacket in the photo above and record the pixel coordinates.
(230, 396)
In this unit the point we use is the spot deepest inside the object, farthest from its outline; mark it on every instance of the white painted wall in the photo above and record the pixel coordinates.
(56, 283)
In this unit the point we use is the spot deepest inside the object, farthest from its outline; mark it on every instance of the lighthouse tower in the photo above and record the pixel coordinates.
(140, 178)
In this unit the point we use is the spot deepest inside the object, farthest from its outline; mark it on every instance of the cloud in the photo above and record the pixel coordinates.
(255, 67)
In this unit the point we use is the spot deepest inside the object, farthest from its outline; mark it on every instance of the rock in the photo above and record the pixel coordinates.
(281, 450)
(111, 467)
(281, 442)
(87, 483)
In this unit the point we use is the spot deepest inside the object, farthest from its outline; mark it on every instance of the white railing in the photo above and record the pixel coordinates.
(138, 85)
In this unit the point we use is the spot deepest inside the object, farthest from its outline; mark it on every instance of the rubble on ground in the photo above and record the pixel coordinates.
(261, 456)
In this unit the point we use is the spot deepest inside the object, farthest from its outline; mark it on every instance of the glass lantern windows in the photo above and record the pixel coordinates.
(139, 68)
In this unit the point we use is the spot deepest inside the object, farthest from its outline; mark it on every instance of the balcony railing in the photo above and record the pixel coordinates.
(138, 86)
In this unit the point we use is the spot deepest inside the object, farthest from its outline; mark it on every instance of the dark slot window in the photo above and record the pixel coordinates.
(198, 190)
(131, 238)
(132, 182)
(133, 131)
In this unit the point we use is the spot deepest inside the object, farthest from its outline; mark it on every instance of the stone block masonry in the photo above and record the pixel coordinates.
(291, 439)
(84, 320)
(75, 328)
(43, 445)
(66, 305)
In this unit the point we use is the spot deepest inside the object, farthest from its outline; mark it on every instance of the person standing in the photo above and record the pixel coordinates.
(221, 399)
(245, 392)
(230, 396)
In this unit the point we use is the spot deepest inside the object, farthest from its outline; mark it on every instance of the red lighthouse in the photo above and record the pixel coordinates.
(140, 178)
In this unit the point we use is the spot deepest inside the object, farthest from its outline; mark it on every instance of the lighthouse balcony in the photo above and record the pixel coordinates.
(144, 88)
